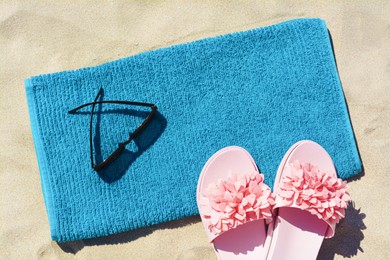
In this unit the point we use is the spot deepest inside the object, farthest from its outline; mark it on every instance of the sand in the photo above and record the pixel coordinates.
(54, 36)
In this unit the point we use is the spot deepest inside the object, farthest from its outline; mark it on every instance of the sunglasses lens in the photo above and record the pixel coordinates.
(111, 158)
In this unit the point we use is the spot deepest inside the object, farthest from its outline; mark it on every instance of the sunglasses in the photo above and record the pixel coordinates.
(121, 146)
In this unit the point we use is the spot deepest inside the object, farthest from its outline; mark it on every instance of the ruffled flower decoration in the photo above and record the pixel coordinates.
(311, 189)
(235, 201)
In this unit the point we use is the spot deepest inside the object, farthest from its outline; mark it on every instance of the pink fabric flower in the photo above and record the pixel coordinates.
(320, 193)
(236, 200)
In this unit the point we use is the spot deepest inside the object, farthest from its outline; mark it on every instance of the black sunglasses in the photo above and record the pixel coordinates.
(115, 154)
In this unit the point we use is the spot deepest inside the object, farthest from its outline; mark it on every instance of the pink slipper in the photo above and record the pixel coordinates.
(234, 204)
(310, 201)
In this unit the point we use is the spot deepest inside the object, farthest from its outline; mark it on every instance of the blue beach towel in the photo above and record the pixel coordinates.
(262, 89)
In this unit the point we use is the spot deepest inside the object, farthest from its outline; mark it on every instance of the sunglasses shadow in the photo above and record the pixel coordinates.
(116, 169)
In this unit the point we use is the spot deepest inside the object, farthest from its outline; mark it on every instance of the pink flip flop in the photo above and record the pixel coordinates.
(234, 204)
(310, 201)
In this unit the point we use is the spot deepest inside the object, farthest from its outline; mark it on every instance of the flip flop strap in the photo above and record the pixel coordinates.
(234, 201)
(306, 187)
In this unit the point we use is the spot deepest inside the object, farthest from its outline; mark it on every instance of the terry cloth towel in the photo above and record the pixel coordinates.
(261, 89)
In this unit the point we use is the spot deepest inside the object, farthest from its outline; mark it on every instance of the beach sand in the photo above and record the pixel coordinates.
(46, 37)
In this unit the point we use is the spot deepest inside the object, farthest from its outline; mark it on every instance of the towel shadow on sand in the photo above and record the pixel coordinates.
(361, 174)
(125, 237)
(115, 170)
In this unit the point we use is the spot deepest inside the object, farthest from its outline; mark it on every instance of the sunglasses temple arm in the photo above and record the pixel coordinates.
(88, 104)
(112, 102)
(90, 125)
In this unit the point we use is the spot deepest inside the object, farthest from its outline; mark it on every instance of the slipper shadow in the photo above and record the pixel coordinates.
(348, 236)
